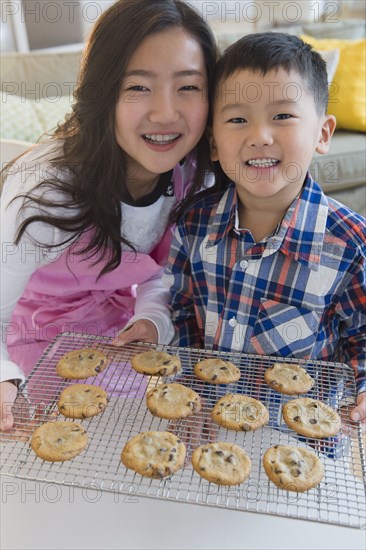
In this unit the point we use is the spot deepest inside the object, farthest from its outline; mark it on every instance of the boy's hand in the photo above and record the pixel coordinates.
(8, 393)
(358, 413)
(142, 330)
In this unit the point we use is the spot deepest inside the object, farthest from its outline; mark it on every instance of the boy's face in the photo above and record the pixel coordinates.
(265, 132)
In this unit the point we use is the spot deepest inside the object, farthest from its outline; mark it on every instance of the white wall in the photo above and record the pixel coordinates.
(50, 23)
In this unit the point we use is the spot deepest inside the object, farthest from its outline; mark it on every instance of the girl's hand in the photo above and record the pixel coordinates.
(8, 393)
(141, 330)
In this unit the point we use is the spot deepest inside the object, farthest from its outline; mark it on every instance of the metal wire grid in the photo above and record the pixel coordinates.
(339, 499)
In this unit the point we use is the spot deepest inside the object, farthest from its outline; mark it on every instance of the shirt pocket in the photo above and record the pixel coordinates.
(285, 330)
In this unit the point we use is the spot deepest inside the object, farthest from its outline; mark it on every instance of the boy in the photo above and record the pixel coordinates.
(270, 265)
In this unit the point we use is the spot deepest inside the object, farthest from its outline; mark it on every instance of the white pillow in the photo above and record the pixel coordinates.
(27, 119)
(331, 57)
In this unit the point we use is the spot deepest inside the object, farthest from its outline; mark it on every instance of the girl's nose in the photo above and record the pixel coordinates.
(164, 109)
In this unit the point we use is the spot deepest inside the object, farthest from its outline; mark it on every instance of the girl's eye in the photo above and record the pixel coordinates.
(238, 120)
(282, 116)
(189, 88)
(137, 88)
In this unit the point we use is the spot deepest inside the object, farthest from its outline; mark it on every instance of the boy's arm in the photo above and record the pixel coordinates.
(178, 279)
(352, 336)
(352, 343)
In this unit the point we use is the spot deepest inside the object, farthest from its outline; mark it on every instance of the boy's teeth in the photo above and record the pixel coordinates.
(263, 163)
(161, 138)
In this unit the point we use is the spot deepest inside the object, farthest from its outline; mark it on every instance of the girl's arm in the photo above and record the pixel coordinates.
(151, 321)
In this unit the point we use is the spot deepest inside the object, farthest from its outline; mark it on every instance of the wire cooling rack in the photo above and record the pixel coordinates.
(339, 499)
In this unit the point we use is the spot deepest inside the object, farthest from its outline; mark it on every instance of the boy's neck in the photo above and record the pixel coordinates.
(262, 215)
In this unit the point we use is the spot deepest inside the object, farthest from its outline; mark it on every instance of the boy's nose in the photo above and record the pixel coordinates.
(259, 136)
(164, 110)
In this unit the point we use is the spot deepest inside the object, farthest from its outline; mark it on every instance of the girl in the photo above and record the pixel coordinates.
(86, 215)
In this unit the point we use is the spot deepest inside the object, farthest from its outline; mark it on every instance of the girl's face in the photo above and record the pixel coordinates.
(162, 109)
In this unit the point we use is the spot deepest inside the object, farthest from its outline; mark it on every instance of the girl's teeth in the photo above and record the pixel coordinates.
(161, 138)
(263, 163)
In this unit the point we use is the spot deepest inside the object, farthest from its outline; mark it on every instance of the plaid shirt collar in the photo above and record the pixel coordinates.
(301, 233)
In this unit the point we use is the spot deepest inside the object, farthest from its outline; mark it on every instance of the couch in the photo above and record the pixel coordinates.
(37, 87)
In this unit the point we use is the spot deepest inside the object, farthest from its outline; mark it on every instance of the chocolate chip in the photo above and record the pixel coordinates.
(203, 468)
(246, 427)
(295, 377)
(59, 440)
(171, 457)
(174, 449)
(296, 418)
(219, 453)
(313, 421)
(166, 362)
(229, 459)
(91, 356)
(81, 357)
(214, 377)
(97, 369)
(162, 372)
(314, 405)
(278, 471)
(87, 391)
(295, 472)
(224, 368)
(294, 463)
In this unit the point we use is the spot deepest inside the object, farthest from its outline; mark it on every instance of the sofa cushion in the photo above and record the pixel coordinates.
(27, 119)
(344, 166)
(36, 75)
(347, 97)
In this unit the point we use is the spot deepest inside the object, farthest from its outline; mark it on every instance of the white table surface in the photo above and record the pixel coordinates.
(37, 515)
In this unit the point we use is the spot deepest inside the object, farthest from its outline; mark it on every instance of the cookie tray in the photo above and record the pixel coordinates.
(339, 499)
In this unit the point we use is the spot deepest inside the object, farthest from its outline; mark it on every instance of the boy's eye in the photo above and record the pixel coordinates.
(282, 116)
(238, 120)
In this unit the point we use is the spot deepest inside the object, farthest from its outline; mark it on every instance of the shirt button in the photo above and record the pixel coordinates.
(244, 264)
(232, 322)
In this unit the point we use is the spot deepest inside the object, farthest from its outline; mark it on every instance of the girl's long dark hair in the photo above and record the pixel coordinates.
(95, 163)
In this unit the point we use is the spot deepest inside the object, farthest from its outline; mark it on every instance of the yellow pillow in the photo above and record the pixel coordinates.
(347, 93)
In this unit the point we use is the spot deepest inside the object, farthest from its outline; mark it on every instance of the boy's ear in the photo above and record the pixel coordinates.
(213, 150)
(327, 130)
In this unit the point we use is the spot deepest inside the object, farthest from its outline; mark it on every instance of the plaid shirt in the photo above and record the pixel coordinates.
(300, 293)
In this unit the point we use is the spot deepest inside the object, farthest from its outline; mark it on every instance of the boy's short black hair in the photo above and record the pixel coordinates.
(267, 51)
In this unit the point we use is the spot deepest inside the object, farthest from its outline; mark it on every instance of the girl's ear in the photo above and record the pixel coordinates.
(327, 130)
(213, 150)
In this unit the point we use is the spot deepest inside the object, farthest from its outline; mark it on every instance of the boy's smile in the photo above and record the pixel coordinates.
(266, 130)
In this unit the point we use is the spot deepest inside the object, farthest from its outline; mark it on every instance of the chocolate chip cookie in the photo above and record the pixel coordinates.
(81, 363)
(240, 412)
(222, 463)
(288, 378)
(216, 371)
(311, 418)
(293, 468)
(156, 363)
(82, 401)
(59, 441)
(173, 401)
(154, 454)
